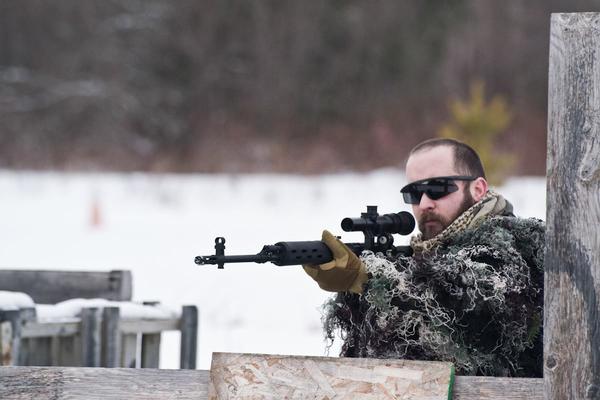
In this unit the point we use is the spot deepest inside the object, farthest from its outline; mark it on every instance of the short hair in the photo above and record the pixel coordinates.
(466, 159)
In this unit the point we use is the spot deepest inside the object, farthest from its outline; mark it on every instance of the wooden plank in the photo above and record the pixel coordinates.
(36, 352)
(70, 351)
(49, 287)
(55, 351)
(90, 337)
(5, 343)
(485, 387)
(111, 337)
(14, 317)
(270, 377)
(70, 326)
(149, 325)
(129, 351)
(150, 353)
(65, 327)
(24, 383)
(572, 262)
(20, 383)
(189, 337)
(26, 346)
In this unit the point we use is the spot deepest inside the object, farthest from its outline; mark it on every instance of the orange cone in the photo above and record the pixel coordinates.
(95, 214)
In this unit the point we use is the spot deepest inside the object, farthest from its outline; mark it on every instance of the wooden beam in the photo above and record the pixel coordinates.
(49, 287)
(189, 337)
(150, 354)
(64, 327)
(15, 320)
(23, 383)
(111, 337)
(20, 383)
(489, 388)
(129, 350)
(6, 343)
(149, 326)
(572, 261)
(91, 334)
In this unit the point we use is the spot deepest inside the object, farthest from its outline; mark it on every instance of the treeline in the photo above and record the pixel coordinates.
(265, 85)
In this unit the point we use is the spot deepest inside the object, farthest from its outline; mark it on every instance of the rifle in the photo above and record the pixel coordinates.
(377, 229)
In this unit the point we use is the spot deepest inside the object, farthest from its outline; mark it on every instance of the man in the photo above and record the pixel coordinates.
(471, 293)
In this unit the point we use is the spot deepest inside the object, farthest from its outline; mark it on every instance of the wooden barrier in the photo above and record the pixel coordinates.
(96, 339)
(20, 383)
(572, 265)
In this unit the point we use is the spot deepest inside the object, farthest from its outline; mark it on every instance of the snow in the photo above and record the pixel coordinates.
(127, 310)
(15, 300)
(154, 225)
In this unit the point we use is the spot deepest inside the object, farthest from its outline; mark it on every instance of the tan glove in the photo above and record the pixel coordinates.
(344, 273)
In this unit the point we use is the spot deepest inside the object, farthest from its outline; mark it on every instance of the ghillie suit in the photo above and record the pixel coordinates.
(473, 295)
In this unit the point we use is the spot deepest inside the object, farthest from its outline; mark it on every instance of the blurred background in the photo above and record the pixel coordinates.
(132, 133)
(277, 86)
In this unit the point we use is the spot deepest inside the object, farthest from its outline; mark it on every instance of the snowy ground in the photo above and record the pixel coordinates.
(154, 225)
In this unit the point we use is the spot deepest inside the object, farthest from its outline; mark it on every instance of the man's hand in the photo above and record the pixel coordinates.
(344, 273)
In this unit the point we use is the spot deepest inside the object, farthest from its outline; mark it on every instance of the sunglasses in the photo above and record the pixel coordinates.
(435, 188)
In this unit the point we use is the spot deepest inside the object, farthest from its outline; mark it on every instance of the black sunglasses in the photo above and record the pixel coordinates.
(435, 188)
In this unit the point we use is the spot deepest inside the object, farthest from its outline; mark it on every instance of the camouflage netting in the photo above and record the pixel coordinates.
(475, 301)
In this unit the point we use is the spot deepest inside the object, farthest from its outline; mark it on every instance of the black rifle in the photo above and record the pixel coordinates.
(378, 230)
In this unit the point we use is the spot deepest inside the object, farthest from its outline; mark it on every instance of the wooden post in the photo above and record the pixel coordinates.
(31, 351)
(150, 355)
(189, 337)
(572, 260)
(129, 350)
(121, 285)
(5, 343)
(14, 317)
(111, 337)
(90, 337)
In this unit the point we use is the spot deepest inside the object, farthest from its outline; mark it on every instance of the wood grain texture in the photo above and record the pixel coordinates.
(488, 388)
(25, 383)
(262, 377)
(572, 260)
(20, 383)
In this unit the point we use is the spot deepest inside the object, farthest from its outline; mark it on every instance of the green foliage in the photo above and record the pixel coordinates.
(480, 123)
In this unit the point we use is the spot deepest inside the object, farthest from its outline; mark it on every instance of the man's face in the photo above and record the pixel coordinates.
(433, 216)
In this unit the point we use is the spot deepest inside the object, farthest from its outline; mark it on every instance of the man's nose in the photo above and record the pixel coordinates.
(426, 203)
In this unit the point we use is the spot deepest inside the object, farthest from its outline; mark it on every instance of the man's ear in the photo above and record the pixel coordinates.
(478, 188)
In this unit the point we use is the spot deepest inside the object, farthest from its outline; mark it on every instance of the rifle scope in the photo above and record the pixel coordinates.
(402, 223)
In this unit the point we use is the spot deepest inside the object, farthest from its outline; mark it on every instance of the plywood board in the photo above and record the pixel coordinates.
(262, 377)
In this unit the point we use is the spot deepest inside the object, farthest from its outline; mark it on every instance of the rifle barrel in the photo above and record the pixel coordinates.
(251, 258)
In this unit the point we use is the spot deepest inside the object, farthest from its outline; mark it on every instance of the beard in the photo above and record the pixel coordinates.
(432, 224)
